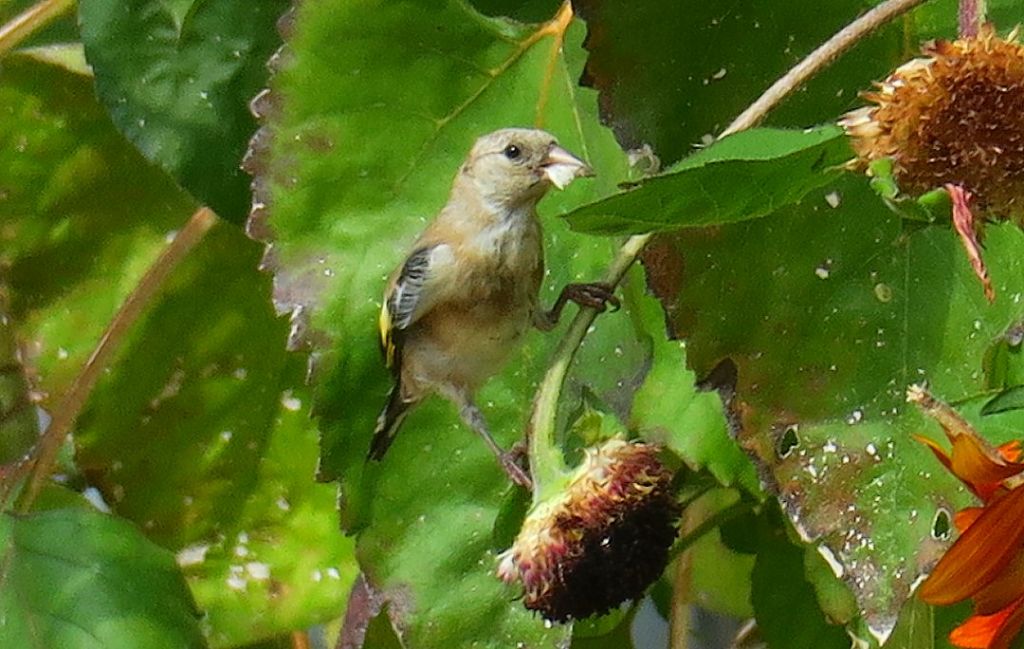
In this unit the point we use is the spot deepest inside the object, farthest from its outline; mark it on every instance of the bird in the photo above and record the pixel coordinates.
(464, 297)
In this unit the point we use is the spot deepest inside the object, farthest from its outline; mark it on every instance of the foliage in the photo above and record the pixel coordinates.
(782, 309)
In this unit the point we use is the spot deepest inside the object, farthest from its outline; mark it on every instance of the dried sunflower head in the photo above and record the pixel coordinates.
(955, 117)
(602, 540)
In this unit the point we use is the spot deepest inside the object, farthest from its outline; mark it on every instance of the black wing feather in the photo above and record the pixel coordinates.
(406, 295)
(400, 305)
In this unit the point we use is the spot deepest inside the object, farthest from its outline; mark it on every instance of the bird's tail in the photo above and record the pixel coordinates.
(388, 423)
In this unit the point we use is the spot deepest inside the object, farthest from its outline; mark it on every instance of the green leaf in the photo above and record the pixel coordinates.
(668, 408)
(70, 56)
(613, 631)
(784, 602)
(744, 176)
(916, 627)
(78, 579)
(674, 74)
(205, 384)
(84, 215)
(939, 19)
(1011, 399)
(199, 432)
(361, 159)
(527, 11)
(719, 577)
(826, 340)
(834, 597)
(62, 29)
(177, 78)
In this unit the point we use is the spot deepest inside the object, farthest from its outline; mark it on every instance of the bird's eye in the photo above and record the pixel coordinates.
(512, 152)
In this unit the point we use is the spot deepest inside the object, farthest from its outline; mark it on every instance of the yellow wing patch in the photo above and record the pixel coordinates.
(387, 339)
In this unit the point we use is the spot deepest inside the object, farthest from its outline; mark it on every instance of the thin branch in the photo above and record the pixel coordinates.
(817, 60)
(680, 611)
(65, 414)
(541, 430)
(31, 21)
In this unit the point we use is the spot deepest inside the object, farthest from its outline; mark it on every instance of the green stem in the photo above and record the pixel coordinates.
(65, 414)
(30, 22)
(546, 462)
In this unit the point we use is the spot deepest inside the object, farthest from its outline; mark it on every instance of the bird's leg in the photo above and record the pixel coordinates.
(509, 460)
(597, 295)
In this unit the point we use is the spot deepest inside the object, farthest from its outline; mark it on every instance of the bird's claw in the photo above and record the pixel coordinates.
(596, 295)
(511, 462)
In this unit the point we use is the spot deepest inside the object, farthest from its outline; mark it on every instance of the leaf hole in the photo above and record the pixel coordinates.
(788, 441)
(941, 525)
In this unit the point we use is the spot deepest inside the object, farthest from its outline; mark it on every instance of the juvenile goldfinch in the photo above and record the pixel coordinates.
(464, 297)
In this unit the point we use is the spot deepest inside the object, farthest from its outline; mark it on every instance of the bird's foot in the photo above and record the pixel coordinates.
(512, 462)
(596, 295)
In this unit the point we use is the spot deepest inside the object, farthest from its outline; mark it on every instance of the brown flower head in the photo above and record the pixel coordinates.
(953, 118)
(600, 541)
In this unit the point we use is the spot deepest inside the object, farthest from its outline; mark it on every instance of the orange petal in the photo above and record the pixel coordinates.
(994, 631)
(1011, 451)
(980, 554)
(939, 452)
(1007, 587)
(974, 462)
(966, 517)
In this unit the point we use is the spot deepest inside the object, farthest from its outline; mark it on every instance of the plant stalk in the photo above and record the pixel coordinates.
(971, 17)
(541, 430)
(44, 456)
(31, 21)
(546, 461)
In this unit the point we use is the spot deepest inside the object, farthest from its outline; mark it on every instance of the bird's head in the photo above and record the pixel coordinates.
(516, 166)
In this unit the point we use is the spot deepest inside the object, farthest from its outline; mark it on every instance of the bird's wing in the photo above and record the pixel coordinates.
(410, 295)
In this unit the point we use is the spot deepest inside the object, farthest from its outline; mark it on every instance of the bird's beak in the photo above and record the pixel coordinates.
(561, 167)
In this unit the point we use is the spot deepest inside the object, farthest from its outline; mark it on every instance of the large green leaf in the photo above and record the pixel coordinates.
(206, 394)
(673, 74)
(77, 579)
(826, 340)
(177, 78)
(199, 431)
(367, 122)
(83, 216)
(741, 177)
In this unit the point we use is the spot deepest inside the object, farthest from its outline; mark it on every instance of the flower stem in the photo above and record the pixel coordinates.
(546, 461)
(30, 22)
(41, 463)
(971, 17)
(547, 464)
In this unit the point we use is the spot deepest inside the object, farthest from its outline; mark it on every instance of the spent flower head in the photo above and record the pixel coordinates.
(953, 117)
(600, 541)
